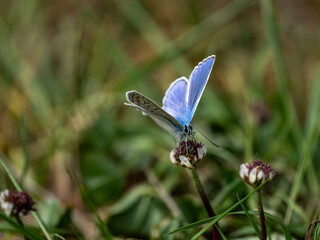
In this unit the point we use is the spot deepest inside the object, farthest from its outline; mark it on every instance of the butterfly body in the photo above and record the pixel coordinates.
(179, 103)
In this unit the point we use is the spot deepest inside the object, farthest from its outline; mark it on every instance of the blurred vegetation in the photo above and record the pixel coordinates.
(97, 168)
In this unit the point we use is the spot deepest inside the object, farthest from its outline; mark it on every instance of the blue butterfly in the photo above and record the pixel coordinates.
(179, 103)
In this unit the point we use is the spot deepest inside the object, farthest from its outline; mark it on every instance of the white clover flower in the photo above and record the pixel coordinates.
(202, 151)
(172, 158)
(188, 154)
(4, 204)
(256, 172)
(184, 160)
(16, 203)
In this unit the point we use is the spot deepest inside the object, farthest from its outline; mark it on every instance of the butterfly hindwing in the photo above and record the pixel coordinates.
(151, 109)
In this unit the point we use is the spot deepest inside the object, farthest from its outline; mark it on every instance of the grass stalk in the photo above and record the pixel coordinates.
(287, 109)
(206, 202)
(189, 39)
(87, 199)
(308, 145)
(24, 139)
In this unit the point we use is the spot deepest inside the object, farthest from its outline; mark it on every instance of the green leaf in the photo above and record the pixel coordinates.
(137, 213)
(50, 212)
(101, 172)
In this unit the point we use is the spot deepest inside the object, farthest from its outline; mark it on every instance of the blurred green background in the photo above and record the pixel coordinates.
(65, 67)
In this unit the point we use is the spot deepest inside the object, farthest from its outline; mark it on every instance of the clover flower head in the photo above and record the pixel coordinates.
(16, 203)
(256, 172)
(188, 154)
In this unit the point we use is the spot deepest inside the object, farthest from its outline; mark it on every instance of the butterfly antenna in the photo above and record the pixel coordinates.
(207, 138)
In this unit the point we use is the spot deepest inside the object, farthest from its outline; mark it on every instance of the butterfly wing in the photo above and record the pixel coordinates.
(197, 82)
(175, 100)
(161, 117)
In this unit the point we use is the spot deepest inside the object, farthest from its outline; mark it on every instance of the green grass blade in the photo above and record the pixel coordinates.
(86, 198)
(56, 235)
(17, 186)
(24, 139)
(149, 29)
(317, 230)
(269, 19)
(221, 216)
(225, 191)
(189, 39)
(309, 143)
(207, 220)
(310, 229)
(222, 234)
(23, 230)
(191, 225)
(214, 219)
(283, 227)
(295, 207)
(38, 220)
(254, 225)
(287, 109)
(13, 180)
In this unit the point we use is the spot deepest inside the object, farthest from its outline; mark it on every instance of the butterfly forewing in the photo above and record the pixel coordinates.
(174, 101)
(197, 82)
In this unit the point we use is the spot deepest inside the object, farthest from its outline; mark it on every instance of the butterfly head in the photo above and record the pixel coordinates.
(188, 130)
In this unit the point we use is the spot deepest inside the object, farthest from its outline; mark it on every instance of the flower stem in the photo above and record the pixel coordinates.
(262, 218)
(19, 221)
(206, 202)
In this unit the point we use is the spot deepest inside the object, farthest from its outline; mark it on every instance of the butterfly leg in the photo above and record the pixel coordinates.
(186, 141)
(177, 142)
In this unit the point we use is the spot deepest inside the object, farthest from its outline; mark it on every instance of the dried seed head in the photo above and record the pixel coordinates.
(16, 203)
(188, 154)
(256, 172)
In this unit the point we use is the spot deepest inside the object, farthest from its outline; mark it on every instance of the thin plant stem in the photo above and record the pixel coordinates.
(263, 229)
(19, 221)
(206, 202)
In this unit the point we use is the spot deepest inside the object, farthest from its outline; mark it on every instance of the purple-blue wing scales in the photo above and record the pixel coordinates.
(175, 100)
(197, 82)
